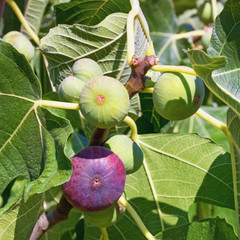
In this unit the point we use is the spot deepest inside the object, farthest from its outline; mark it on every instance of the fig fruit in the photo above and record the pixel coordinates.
(70, 88)
(177, 96)
(104, 102)
(128, 151)
(205, 11)
(85, 69)
(21, 43)
(105, 218)
(97, 180)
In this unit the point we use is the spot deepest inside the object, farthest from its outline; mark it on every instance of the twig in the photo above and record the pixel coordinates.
(49, 219)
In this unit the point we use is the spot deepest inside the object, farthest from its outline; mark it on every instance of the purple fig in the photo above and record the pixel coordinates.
(97, 180)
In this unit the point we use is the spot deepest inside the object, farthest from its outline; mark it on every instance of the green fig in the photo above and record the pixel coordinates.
(177, 96)
(21, 43)
(85, 69)
(127, 150)
(104, 101)
(70, 88)
(105, 218)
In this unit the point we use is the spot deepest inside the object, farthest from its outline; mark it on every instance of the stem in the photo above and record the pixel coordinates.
(136, 218)
(22, 19)
(57, 104)
(130, 34)
(169, 68)
(104, 233)
(188, 34)
(133, 127)
(234, 173)
(147, 90)
(215, 122)
(214, 9)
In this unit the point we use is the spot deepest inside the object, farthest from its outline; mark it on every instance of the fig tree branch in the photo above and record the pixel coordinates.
(49, 219)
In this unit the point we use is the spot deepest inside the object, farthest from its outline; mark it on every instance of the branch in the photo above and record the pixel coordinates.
(49, 219)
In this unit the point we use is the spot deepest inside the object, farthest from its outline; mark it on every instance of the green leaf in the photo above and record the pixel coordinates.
(178, 170)
(18, 222)
(33, 14)
(89, 12)
(221, 74)
(196, 124)
(104, 43)
(162, 22)
(210, 229)
(32, 139)
(150, 114)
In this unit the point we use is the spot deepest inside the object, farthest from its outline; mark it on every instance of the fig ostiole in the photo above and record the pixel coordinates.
(128, 151)
(21, 43)
(85, 69)
(177, 96)
(104, 102)
(107, 217)
(97, 180)
(70, 88)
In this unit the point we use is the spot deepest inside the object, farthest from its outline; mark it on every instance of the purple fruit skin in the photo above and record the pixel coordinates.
(92, 164)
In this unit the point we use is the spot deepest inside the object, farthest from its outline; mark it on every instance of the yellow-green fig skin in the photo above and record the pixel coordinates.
(105, 218)
(21, 43)
(127, 150)
(177, 96)
(70, 88)
(104, 102)
(85, 69)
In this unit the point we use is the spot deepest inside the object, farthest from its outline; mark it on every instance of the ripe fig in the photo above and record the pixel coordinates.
(104, 101)
(177, 96)
(97, 180)
(105, 218)
(70, 88)
(21, 43)
(128, 151)
(85, 69)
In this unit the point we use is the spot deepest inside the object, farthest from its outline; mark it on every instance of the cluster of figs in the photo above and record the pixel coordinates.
(99, 172)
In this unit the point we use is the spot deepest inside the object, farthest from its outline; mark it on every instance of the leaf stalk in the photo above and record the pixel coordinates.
(136, 218)
(23, 21)
(134, 132)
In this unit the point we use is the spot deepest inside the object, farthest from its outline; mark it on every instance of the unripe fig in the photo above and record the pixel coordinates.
(206, 38)
(205, 12)
(85, 69)
(177, 96)
(97, 180)
(105, 218)
(70, 88)
(21, 43)
(128, 151)
(104, 101)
